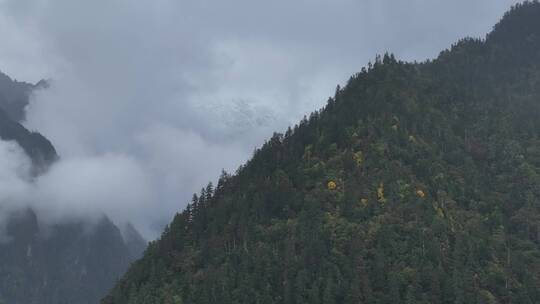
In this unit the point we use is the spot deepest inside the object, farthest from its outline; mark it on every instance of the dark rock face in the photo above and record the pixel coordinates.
(15, 96)
(67, 263)
(135, 243)
(71, 262)
(36, 146)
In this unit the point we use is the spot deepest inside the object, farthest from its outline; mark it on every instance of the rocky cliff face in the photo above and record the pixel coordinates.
(70, 262)
(15, 96)
(65, 263)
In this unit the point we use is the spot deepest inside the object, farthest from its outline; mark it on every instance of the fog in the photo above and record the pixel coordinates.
(150, 100)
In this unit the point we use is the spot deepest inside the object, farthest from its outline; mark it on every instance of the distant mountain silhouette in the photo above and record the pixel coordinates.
(73, 263)
(15, 95)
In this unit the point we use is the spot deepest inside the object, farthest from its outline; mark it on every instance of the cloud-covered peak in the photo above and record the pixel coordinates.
(164, 94)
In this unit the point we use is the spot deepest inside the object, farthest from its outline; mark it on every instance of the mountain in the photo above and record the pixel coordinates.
(64, 263)
(36, 146)
(15, 95)
(71, 262)
(135, 243)
(416, 183)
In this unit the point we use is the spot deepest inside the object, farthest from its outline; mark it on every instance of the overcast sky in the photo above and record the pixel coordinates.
(151, 99)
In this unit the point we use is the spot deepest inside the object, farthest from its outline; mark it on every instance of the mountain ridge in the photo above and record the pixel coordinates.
(71, 262)
(38, 148)
(15, 96)
(416, 183)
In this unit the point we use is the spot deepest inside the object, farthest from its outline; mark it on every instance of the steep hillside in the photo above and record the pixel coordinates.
(73, 263)
(15, 95)
(69, 263)
(36, 146)
(417, 183)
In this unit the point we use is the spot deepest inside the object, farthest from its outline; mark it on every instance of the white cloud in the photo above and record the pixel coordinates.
(163, 94)
(81, 189)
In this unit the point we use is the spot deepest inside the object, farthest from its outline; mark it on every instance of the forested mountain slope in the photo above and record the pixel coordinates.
(417, 183)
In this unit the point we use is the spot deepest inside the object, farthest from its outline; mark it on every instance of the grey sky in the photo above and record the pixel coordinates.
(164, 94)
